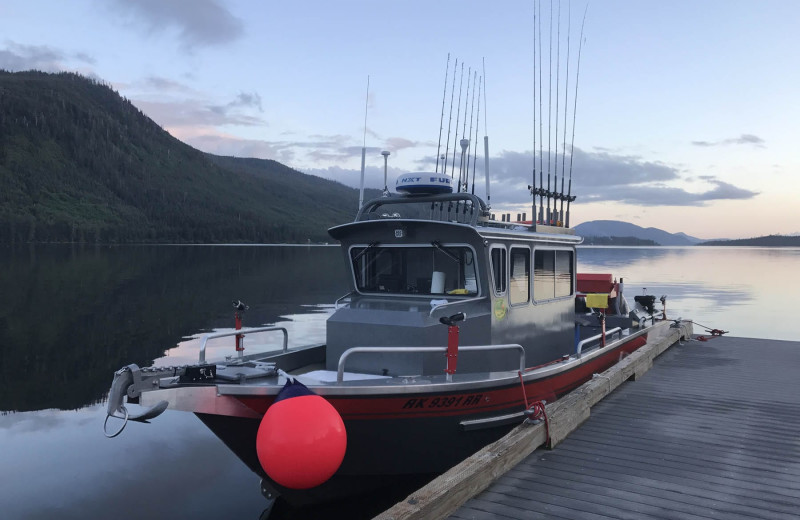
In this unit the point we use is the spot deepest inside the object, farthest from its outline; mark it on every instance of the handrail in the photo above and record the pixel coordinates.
(456, 302)
(581, 343)
(340, 298)
(410, 350)
(242, 332)
(479, 207)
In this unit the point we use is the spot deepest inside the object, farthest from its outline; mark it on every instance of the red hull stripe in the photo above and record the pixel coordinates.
(506, 399)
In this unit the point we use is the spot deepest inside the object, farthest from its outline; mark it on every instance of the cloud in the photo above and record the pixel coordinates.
(198, 22)
(743, 139)
(602, 177)
(17, 57)
(195, 112)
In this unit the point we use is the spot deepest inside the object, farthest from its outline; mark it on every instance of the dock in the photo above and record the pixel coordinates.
(712, 430)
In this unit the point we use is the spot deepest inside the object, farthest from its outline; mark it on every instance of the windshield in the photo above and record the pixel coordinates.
(428, 270)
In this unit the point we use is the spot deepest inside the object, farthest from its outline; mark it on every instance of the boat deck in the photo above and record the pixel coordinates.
(711, 431)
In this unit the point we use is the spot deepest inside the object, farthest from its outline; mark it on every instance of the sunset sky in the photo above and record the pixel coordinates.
(687, 115)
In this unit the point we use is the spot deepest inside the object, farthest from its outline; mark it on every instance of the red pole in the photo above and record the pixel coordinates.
(239, 337)
(602, 330)
(452, 349)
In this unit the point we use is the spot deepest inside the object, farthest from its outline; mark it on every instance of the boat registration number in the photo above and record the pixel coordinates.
(443, 402)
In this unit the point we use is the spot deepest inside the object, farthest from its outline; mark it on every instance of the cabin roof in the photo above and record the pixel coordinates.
(457, 209)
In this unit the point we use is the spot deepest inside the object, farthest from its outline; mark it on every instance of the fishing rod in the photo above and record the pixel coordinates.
(463, 136)
(364, 149)
(532, 187)
(558, 73)
(486, 138)
(458, 116)
(450, 122)
(441, 118)
(475, 149)
(550, 115)
(471, 120)
(566, 107)
(570, 198)
(541, 118)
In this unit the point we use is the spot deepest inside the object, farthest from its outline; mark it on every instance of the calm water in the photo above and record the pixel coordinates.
(71, 316)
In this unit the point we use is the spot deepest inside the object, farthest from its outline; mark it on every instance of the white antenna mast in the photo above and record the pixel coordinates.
(364, 149)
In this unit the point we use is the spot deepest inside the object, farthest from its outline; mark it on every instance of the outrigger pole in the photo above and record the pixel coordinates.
(364, 149)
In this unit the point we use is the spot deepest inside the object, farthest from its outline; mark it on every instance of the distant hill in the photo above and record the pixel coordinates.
(616, 241)
(595, 229)
(767, 241)
(78, 162)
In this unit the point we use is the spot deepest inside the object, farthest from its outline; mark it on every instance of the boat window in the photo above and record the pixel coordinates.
(552, 274)
(563, 273)
(544, 274)
(499, 270)
(435, 269)
(519, 279)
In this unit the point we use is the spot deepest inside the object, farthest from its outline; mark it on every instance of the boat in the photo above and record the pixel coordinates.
(457, 328)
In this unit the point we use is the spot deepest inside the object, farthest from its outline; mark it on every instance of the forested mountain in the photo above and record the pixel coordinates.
(765, 241)
(605, 229)
(78, 162)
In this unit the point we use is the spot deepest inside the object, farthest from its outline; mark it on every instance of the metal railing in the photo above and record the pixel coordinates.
(413, 350)
(340, 298)
(455, 302)
(579, 347)
(243, 332)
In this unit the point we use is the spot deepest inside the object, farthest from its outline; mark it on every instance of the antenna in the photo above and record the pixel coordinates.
(385, 155)
(570, 198)
(486, 139)
(441, 119)
(364, 148)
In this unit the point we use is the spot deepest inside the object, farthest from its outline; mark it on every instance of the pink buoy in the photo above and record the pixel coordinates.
(301, 441)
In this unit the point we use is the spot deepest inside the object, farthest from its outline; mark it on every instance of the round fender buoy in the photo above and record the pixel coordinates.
(301, 440)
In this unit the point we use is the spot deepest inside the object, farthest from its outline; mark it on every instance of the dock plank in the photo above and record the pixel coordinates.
(711, 431)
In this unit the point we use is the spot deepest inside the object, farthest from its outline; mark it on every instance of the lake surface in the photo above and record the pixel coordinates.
(72, 315)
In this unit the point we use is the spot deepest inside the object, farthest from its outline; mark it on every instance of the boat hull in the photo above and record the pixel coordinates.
(415, 434)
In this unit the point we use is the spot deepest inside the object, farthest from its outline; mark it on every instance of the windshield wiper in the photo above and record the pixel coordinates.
(447, 252)
(364, 251)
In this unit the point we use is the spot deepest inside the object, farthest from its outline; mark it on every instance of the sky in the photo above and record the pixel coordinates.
(686, 117)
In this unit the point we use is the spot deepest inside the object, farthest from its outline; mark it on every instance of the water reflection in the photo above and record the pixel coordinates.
(70, 316)
(742, 290)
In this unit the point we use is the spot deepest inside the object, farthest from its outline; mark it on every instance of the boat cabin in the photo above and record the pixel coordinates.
(417, 258)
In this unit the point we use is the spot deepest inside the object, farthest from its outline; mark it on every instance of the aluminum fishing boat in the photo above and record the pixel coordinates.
(455, 325)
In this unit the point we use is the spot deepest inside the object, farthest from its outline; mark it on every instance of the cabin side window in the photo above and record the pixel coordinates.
(544, 273)
(435, 269)
(552, 274)
(498, 261)
(564, 271)
(519, 280)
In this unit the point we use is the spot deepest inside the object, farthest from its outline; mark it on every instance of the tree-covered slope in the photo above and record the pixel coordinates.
(80, 163)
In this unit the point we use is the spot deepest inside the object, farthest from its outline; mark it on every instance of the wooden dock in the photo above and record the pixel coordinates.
(712, 431)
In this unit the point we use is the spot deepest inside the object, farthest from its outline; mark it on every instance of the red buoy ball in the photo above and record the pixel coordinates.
(301, 441)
